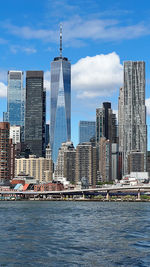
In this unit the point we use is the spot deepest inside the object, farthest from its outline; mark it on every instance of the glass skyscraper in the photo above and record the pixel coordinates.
(60, 125)
(15, 100)
(35, 113)
(86, 131)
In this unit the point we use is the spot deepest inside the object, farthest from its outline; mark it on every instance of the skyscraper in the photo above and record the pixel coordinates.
(86, 131)
(134, 121)
(60, 125)
(35, 113)
(15, 100)
(106, 123)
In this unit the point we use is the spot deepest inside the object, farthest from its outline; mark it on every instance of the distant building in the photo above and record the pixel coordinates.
(40, 168)
(35, 113)
(105, 159)
(86, 163)
(47, 134)
(115, 161)
(134, 110)
(136, 162)
(106, 125)
(59, 166)
(120, 118)
(15, 101)
(86, 131)
(15, 134)
(4, 152)
(60, 124)
(70, 164)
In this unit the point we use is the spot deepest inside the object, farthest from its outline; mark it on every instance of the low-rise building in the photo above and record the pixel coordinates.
(40, 168)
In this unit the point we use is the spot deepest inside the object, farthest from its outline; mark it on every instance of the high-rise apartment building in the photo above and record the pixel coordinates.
(134, 110)
(35, 113)
(86, 131)
(120, 118)
(60, 125)
(4, 152)
(105, 159)
(15, 100)
(86, 163)
(106, 125)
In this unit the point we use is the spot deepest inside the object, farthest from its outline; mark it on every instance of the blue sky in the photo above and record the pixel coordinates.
(97, 37)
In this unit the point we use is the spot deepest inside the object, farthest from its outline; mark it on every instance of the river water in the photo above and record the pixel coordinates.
(59, 233)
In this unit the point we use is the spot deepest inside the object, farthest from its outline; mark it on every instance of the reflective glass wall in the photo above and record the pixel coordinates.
(60, 126)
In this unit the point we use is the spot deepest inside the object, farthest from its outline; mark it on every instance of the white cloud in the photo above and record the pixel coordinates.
(3, 90)
(100, 75)
(147, 103)
(17, 48)
(77, 30)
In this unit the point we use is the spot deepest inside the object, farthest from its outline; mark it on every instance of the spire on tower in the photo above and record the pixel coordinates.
(60, 40)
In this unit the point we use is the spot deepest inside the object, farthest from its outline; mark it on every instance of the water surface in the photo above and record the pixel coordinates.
(39, 233)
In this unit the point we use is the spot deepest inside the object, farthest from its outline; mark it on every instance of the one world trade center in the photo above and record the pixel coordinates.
(60, 123)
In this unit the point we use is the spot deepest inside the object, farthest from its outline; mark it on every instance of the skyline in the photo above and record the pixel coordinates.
(96, 39)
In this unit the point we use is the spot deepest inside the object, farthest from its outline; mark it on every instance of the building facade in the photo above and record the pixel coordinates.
(106, 123)
(15, 134)
(35, 113)
(4, 152)
(39, 168)
(86, 131)
(15, 114)
(105, 159)
(86, 163)
(134, 121)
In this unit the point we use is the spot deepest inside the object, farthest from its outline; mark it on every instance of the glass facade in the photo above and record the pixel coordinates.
(35, 113)
(15, 100)
(60, 126)
(86, 131)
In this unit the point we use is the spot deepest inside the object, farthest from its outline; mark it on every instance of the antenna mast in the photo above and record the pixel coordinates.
(61, 40)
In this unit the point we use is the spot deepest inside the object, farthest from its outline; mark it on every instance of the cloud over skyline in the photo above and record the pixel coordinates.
(100, 75)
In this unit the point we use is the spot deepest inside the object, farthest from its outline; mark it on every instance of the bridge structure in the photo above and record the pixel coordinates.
(84, 193)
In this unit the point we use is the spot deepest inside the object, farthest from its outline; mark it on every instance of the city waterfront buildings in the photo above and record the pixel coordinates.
(60, 123)
(86, 131)
(134, 110)
(15, 100)
(35, 113)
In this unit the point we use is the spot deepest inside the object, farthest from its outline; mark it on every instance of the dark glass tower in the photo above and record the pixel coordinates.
(35, 113)
(60, 126)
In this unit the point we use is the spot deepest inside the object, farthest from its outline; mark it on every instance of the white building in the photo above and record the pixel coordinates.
(15, 132)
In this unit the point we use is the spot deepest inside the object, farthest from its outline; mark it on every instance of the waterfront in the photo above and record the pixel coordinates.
(74, 233)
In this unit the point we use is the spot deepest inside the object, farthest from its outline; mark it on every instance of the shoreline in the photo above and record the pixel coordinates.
(78, 200)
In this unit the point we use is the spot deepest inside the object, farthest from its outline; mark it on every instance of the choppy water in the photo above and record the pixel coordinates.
(74, 234)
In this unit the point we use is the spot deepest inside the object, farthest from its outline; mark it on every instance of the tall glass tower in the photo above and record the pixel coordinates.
(60, 126)
(15, 100)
